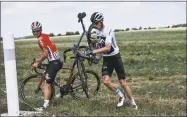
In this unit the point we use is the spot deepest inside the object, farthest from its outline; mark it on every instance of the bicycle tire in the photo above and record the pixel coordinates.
(25, 96)
(95, 90)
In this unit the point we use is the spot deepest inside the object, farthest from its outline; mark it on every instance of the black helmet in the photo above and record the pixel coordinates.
(96, 17)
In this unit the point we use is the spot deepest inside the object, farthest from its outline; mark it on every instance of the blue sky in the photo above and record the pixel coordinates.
(59, 17)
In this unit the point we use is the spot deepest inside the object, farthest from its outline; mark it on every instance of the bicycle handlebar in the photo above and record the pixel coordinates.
(76, 52)
(41, 66)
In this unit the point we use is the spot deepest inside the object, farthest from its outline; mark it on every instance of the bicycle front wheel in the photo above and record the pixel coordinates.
(30, 92)
(93, 85)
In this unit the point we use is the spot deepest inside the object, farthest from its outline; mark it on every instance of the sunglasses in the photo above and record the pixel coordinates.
(35, 31)
(96, 23)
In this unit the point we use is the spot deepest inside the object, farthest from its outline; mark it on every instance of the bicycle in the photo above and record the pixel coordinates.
(70, 86)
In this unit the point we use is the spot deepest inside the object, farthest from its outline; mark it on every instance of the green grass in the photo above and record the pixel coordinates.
(155, 66)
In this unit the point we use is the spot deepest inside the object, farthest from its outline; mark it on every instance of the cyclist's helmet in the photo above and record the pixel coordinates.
(96, 17)
(36, 26)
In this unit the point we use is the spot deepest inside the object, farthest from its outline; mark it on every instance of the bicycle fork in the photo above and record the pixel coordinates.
(84, 79)
(86, 84)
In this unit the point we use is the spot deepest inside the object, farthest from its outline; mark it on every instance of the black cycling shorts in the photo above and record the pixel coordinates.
(113, 62)
(52, 69)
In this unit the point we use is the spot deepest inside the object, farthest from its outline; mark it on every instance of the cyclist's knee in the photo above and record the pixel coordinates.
(106, 79)
(49, 79)
(47, 85)
(122, 82)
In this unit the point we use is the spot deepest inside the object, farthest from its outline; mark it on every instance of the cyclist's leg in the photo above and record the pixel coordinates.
(119, 68)
(41, 82)
(107, 69)
(53, 68)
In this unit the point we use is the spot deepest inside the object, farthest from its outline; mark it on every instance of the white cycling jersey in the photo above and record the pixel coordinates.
(105, 36)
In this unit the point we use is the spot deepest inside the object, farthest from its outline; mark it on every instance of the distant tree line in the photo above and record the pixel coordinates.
(173, 26)
(116, 30)
(67, 33)
(73, 33)
(179, 25)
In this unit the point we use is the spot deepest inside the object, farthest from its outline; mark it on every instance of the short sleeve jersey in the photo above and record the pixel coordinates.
(48, 46)
(107, 35)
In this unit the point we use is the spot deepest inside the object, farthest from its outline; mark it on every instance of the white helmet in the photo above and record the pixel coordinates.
(96, 17)
(36, 25)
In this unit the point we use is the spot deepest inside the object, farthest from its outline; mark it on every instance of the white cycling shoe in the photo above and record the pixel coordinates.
(121, 101)
(133, 105)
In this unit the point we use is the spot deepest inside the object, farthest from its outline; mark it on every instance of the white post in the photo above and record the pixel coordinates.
(11, 75)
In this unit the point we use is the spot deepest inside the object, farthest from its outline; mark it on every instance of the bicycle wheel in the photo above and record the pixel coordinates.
(29, 94)
(93, 83)
(96, 43)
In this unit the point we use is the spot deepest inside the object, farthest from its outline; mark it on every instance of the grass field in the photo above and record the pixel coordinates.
(155, 66)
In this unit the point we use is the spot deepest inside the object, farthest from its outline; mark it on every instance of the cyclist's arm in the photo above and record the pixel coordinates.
(44, 55)
(107, 47)
(102, 50)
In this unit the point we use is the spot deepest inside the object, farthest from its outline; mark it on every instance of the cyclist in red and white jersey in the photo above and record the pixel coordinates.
(49, 51)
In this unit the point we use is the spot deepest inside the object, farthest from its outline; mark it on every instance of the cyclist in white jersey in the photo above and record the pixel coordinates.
(111, 59)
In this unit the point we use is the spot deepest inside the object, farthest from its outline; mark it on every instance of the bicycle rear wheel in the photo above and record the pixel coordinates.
(30, 95)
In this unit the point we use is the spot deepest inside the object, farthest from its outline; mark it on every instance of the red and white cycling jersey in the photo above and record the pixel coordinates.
(48, 46)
